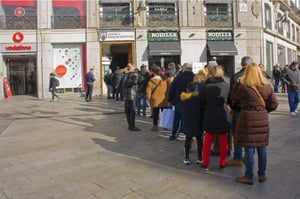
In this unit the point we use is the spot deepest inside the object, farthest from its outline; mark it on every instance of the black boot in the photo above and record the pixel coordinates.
(186, 160)
(132, 122)
(187, 147)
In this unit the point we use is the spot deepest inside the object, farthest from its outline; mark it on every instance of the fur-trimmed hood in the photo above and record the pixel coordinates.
(186, 96)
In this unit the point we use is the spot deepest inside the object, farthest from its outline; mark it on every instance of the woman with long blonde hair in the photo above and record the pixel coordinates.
(216, 117)
(257, 98)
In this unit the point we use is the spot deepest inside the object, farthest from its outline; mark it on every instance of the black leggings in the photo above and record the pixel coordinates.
(188, 145)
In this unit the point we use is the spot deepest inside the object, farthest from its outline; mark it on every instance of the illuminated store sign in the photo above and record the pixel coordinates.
(17, 38)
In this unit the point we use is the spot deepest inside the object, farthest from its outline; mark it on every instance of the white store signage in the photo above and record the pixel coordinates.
(116, 35)
(24, 47)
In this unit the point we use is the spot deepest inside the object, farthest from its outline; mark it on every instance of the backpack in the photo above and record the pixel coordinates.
(56, 82)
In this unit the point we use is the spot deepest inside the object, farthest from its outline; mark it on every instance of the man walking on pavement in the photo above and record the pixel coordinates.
(89, 83)
(292, 79)
(178, 86)
(236, 108)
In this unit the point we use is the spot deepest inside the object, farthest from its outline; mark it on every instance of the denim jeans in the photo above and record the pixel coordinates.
(141, 100)
(177, 121)
(117, 92)
(294, 98)
(262, 161)
(238, 150)
(276, 84)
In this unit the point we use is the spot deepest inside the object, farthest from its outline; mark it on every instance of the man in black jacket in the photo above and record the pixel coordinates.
(129, 84)
(178, 86)
(236, 108)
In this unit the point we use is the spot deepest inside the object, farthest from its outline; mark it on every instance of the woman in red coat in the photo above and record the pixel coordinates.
(252, 131)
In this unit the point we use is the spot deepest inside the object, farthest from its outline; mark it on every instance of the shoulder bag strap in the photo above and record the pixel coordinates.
(155, 87)
(259, 95)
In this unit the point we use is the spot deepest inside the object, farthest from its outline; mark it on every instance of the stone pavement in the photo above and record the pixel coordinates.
(78, 150)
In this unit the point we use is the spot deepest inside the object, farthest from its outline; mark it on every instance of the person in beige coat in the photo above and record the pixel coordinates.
(157, 95)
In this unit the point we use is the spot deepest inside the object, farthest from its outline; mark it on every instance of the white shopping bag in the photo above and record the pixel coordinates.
(167, 118)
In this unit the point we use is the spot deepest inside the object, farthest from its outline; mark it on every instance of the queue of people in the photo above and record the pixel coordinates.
(208, 105)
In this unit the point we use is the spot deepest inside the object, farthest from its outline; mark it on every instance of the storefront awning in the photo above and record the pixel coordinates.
(161, 1)
(115, 1)
(164, 48)
(222, 48)
(218, 1)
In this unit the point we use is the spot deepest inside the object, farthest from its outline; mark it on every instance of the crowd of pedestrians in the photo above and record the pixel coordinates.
(210, 107)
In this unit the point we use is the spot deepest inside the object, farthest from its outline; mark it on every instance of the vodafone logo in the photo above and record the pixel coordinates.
(19, 12)
(18, 37)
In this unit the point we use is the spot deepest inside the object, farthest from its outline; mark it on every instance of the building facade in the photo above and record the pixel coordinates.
(69, 37)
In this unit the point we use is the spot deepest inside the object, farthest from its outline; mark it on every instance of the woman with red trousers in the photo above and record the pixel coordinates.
(216, 118)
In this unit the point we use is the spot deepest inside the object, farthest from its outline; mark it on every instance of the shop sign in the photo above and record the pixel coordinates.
(17, 38)
(163, 36)
(220, 36)
(116, 35)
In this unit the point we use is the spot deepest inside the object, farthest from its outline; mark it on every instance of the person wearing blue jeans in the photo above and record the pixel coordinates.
(276, 77)
(238, 150)
(262, 162)
(292, 78)
(293, 98)
(178, 86)
(236, 108)
(141, 102)
(177, 122)
(252, 129)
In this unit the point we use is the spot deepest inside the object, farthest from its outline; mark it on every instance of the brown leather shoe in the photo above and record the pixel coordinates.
(234, 163)
(244, 180)
(262, 178)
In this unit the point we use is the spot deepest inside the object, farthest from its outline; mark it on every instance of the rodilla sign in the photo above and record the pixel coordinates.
(18, 46)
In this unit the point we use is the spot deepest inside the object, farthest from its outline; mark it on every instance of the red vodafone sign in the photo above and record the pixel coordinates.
(18, 43)
(18, 37)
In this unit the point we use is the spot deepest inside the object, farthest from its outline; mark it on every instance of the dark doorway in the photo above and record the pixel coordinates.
(119, 55)
(118, 59)
(21, 72)
(228, 63)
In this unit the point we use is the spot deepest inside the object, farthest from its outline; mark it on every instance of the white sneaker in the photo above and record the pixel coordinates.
(296, 111)
(293, 113)
(199, 161)
(186, 162)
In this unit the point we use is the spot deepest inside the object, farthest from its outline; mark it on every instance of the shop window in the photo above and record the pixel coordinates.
(68, 66)
(18, 14)
(116, 14)
(68, 14)
(162, 14)
(219, 15)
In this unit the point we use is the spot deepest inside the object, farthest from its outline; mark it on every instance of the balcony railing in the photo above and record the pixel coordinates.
(68, 22)
(217, 20)
(14, 22)
(163, 20)
(116, 21)
(269, 24)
